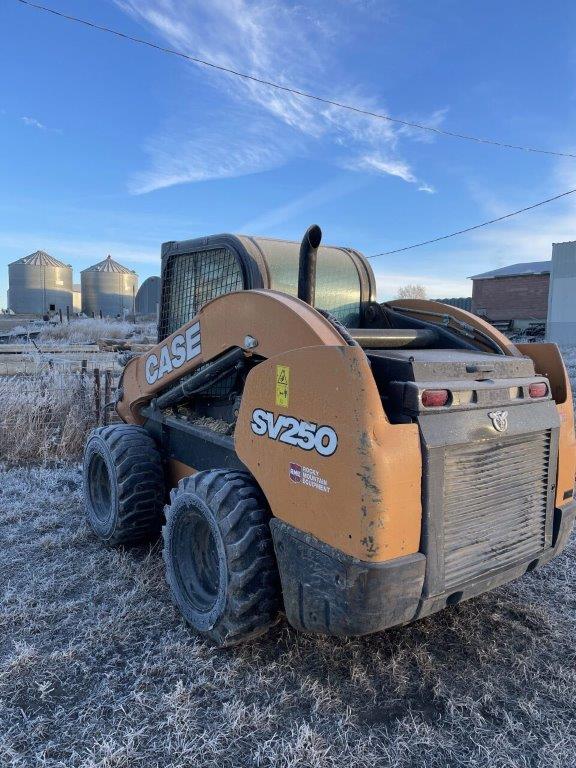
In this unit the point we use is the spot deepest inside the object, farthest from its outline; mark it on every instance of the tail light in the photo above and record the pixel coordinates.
(434, 398)
(538, 389)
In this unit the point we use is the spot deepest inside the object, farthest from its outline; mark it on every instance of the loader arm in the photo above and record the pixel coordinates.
(465, 324)
(265, 323)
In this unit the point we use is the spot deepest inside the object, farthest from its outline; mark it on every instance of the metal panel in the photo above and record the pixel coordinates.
(561, 325)
(495, 504)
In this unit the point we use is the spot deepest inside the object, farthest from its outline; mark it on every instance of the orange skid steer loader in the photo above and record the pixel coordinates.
(355, 466)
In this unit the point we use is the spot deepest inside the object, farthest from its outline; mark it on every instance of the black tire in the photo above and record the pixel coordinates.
(124, 488)
(219, 556)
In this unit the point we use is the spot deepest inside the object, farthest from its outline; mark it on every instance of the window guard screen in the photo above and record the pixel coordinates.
(193, 279)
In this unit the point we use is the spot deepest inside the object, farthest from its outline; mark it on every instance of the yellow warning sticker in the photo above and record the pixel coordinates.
(282, 385)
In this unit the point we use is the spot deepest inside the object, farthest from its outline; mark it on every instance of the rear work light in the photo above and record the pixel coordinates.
(538, 389)
(434, 398)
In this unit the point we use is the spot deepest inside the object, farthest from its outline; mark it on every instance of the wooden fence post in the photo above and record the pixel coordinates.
(97, 396)
(83, 370)
(107, 394)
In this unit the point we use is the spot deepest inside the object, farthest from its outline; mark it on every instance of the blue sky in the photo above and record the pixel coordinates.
(109, 147)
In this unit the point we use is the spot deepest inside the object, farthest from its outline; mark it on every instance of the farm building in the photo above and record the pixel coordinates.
(513, 297)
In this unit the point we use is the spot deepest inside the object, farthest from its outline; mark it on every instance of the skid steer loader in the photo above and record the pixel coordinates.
(309, 451)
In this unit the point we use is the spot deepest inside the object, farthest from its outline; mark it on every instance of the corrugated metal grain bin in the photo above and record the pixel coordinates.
(77, 297)
(108, 287)
(148, 297)
(39, 283)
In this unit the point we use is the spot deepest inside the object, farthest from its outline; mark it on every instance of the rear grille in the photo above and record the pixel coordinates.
(495, 502)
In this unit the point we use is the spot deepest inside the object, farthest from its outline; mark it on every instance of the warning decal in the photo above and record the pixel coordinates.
(282, 385)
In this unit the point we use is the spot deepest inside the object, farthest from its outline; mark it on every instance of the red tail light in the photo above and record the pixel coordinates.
(538, 389)
(433, 398)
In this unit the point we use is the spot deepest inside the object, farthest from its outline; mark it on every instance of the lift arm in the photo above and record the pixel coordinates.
(265, 323)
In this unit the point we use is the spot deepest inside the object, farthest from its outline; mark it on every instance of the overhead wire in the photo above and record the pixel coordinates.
(476, 226)
(295, 91)
(340, 105)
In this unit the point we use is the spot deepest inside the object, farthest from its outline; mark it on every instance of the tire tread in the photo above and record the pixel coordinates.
(253, 592)
(139, 482)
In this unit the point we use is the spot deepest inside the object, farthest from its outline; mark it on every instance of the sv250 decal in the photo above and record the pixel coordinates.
(302, 434)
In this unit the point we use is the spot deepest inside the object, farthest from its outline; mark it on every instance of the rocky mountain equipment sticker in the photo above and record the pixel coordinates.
(308, 476)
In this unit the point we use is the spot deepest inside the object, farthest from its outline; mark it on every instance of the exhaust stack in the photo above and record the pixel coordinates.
(307, 264)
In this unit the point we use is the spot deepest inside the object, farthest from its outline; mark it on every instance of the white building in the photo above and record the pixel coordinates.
(561, 326)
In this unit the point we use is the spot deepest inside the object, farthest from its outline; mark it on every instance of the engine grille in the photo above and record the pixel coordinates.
(495, 503)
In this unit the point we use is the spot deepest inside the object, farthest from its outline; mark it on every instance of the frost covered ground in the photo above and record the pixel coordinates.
(97, 669)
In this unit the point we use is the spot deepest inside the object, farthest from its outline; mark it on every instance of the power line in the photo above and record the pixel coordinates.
(476, 226)
(295, 91)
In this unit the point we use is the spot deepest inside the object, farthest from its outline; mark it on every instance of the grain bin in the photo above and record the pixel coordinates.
(39, 283)
(148, 297)
(109, 288)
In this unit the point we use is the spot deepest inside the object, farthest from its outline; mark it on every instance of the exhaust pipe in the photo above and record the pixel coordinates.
(307, 264)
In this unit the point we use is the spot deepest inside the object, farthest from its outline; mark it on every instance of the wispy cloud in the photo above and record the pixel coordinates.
(387, 166)
(287, 43)
(380, 164)
(177, 160)
(299, 207)
(31, 121)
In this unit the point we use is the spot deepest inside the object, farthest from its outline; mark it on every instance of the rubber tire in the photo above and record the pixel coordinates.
(130, 510)
(245, 585)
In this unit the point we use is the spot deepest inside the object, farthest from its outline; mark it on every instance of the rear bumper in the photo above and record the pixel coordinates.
(328, 592)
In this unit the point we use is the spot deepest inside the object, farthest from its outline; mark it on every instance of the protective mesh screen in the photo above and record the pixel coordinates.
(192, 279)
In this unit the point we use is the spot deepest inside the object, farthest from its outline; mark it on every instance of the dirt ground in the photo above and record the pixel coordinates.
(98, 669)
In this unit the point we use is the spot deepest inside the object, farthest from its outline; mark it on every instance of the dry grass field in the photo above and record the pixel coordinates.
(98, 670)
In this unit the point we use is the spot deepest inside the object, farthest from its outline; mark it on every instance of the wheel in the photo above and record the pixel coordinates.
(219, 556)
(123, 484)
